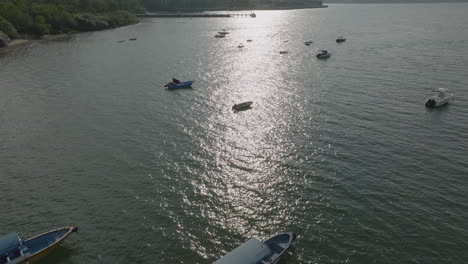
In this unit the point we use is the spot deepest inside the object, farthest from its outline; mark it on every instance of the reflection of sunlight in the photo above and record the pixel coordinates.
(247, 186)
(242, 170)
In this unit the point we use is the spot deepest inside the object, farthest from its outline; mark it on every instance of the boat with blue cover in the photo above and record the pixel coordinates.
(180, 85)
(13, 250)
(255, 251)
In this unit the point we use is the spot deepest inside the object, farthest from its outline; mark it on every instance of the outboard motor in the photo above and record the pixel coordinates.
(430, 103)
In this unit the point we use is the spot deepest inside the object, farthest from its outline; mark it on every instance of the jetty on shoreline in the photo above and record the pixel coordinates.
(182, 15)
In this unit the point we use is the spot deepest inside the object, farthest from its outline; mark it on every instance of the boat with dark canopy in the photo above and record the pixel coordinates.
(13, 250)
(242, 106)
(340, 40)
(255, 251)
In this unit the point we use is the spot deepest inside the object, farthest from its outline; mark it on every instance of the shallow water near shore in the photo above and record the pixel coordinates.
(342, 152)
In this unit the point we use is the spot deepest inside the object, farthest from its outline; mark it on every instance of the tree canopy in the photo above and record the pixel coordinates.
(41, 17)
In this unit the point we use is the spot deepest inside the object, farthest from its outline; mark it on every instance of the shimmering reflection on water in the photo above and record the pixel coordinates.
(340, 151)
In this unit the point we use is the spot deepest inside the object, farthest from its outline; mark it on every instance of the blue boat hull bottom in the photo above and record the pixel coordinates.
(182, 85)
(255, 251)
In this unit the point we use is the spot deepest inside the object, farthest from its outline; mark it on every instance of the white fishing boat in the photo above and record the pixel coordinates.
(441, 98)
(255, 251)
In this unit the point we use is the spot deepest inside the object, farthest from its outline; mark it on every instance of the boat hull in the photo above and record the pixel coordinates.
(182, 85)
(33, 249)
(436, 101)
(42, 252)
(242, 106)
(255, 251)
(323, 57)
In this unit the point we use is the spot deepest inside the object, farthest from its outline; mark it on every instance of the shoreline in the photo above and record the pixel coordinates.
(19, 42)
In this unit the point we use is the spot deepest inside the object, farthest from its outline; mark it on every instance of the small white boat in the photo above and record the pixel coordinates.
(240, 46)
(224, 32)
(441, 98)
(255, 251)
(308, 42)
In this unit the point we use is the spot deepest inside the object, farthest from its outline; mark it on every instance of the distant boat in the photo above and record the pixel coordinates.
(181, 85)
(340, 40)
(242, 106)
(323, 55)
(240, 46)
(120, 40)
(13, 250)
(220, 35)
(255, 251)
(133, 39)
(441, 98)
(249, 40)
(283, 52)
(253, 15)
(308, 42)
(224, 32)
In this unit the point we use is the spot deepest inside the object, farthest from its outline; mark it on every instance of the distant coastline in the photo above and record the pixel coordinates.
(228, 5)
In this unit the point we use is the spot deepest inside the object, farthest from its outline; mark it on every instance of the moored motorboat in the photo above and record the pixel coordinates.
(181, 85)
(307, 43)
(340, 40)
(240, 45)
(224, 32)
(220, 35)
(242, 106)
(255, 251)
(283, 52)
(249, 40)
(13, 250)
(441, 98)
(323, 54)
(133, 39)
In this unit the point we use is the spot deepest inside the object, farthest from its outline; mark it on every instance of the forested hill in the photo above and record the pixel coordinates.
(40, 17)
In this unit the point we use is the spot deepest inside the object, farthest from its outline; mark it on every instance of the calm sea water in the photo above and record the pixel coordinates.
(342, 152)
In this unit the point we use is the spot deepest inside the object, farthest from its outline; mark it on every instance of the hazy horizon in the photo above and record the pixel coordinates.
(394, 1)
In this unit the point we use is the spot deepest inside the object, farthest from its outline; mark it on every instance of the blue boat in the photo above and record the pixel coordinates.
(181, 85)
(13, 250)
(255, 251)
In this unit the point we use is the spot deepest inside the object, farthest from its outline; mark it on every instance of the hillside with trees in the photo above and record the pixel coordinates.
(42, 17)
